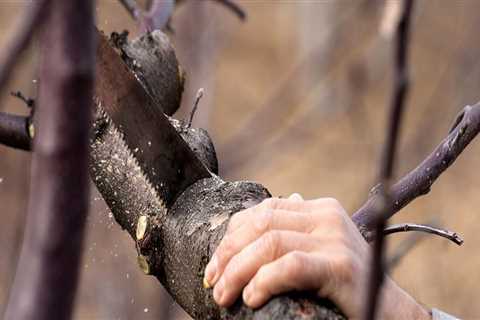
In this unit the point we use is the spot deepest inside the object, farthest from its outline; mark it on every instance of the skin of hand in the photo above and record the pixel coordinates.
(290, 244)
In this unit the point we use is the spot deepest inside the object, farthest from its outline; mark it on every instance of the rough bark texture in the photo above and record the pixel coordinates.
(152, 58)
(176, 245)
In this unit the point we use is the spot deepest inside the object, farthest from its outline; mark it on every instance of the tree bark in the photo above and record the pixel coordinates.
(176, 247)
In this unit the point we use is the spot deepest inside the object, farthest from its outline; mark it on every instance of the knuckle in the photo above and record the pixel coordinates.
(225, 249)
(333, 204)
(264, 221)
(236, 220)
(295, 262)
(270, 241)
(271, 203)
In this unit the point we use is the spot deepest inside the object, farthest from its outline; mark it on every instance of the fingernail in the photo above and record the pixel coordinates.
(211, 270)
(247, 294)
(206, 284)
(218, 291)
(296, 197)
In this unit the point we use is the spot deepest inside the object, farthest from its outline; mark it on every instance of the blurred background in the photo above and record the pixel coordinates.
(295, 99)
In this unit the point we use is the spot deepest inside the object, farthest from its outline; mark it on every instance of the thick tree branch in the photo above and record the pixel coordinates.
(20, 40)
(405, 227)
(383, 206)
(47, 274)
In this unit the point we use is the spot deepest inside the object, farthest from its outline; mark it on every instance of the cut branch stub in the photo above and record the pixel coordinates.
(142, 226)
(153, 60)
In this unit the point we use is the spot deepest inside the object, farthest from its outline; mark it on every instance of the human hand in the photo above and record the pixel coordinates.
(291, 244)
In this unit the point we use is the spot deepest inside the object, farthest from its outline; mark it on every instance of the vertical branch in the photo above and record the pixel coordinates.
(47, 273)
(400, 88)
(21, 38)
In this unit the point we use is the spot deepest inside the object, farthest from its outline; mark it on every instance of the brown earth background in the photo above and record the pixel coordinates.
(295, 99)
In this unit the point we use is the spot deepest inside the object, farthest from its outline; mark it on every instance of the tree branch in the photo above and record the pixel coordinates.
(33, 17)
(382, 209)
(405, 227)
(132, 8)
(48, 269)
(419, 181)
(14, 131)
(234, 7)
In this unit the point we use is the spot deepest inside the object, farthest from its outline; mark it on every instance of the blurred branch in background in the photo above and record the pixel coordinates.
(382, 209)
(309, 76)
(48, 269)
(401, 251)
(20, 40)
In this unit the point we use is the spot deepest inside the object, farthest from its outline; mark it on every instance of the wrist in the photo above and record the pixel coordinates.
(399, 305)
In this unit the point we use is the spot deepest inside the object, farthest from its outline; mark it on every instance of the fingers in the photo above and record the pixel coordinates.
(243, 266)
(247, 233)
(324, 271)
(294, 203)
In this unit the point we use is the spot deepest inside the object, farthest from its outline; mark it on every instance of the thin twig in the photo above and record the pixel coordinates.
(157, 17)
(21, 39)
(234, 7)
(195, 106)
(29, 102)
(405, 227)
(381, 214)
(48, 269)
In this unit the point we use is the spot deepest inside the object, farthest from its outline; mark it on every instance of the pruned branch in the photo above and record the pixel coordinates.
(21, 38)
(48, 269)
(14, 131)
(382, 208)
(405, 227)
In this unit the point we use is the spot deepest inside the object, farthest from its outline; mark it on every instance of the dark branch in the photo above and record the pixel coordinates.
(405, 227)
(382, 208)
(21, 39)
(419, 181)
(14, 131)
(29, 102)
(234, 7)
(48, 269)
(132, 8)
